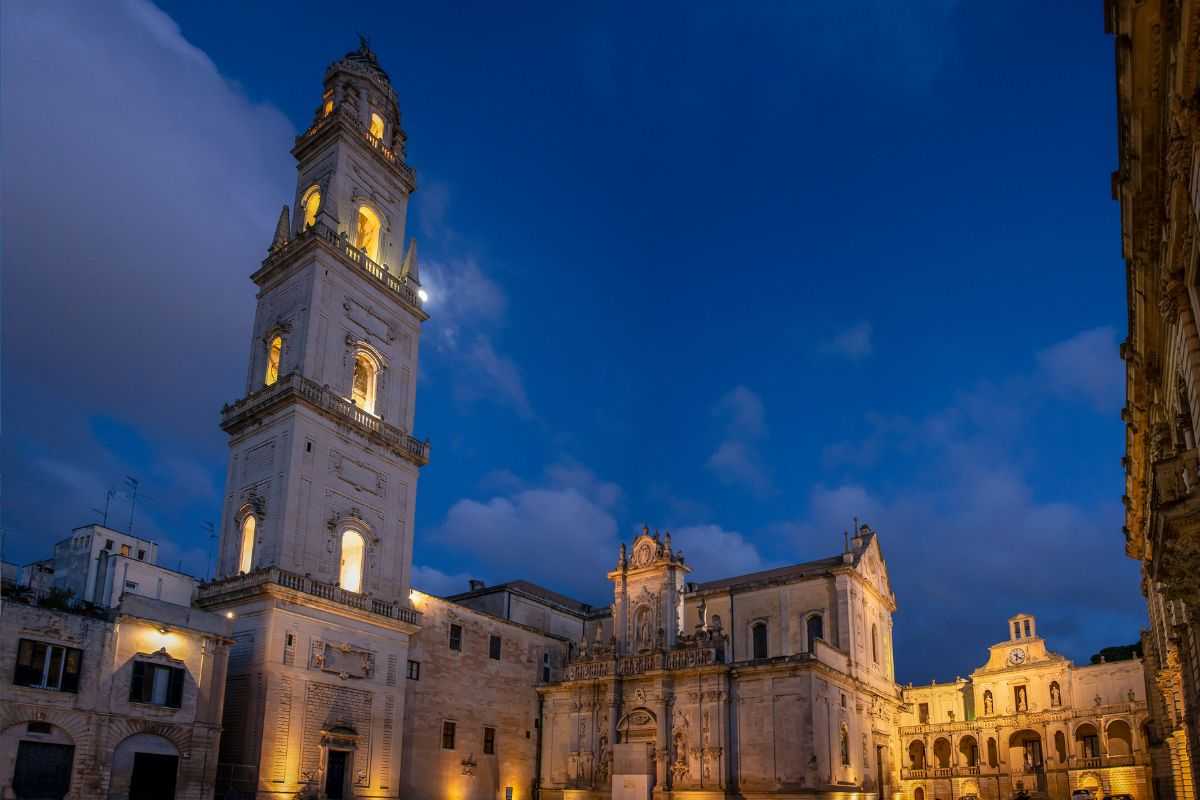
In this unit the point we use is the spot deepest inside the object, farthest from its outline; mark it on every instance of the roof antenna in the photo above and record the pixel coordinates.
(845, 542)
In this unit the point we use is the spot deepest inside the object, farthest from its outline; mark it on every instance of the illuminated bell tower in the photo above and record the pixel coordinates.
(316, 539)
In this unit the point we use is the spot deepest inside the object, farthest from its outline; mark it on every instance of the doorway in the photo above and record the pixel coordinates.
(335, 774)
(43, 770)
(153, 776)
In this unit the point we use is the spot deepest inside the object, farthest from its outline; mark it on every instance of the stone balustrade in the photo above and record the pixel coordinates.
(325, 399)
(606, 665)
(250, 581)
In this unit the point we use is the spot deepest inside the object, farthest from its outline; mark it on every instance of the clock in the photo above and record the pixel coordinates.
(1016, 656)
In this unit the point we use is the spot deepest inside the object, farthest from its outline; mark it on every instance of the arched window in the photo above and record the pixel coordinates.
(918, 794)
(874, 643)
(376, 125)
(246, 557)
(759, 632)
(274, 352)
(351, 574)
(366, 236)
(362, 388)
(845, 747)
(311, 205)
(815, 628)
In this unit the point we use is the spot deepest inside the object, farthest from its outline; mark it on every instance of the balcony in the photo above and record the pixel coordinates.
(252, 582)
(322, 398)
(913, 774)
(344, 119)
(1176, 479)
(340, 246)
(966, 772)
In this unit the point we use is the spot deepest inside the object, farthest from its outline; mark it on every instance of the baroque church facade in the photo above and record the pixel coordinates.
(310, 668)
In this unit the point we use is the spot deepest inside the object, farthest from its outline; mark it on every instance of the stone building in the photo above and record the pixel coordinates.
(471, 725)
(109, 702)
(1158, 185)
(1028, 719)
(316, 534)
(774, 683)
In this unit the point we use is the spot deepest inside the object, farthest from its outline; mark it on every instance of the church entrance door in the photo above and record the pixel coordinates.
(335, 775)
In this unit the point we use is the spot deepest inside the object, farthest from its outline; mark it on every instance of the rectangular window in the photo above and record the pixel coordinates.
(447, 735)
(130, 585)
(923, 713)
(1028, 633)
(456, 637)
(108, 543)
(414, 670)
(545, 667)
(124, 549)
(156, 684)
(507, 793)
(489, 741)
(47, 666)
(1016, 630)
(494, 647)
(141, 555)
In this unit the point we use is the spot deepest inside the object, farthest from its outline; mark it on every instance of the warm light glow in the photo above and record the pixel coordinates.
(329, 106)
(274, 351)
(362, 390)
(423, 295)
(376, 125)
(247, 555)
(228, 615)
(312, 204)
(366, 237)
(352, 561)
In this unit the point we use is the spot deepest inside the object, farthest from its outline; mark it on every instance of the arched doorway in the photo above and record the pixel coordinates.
(641, 726)
(1120, 738)
(968, 751)
(1025, 755)
(145, 766)
(37, 758)
(1087, 743)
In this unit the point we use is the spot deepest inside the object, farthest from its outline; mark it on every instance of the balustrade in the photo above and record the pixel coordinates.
(313, 587)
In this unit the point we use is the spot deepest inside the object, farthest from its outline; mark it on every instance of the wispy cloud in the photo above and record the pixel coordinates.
(854, 343)
(1086, 365)
(737, 459)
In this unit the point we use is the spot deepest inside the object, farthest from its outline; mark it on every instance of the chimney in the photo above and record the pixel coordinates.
(476, 585)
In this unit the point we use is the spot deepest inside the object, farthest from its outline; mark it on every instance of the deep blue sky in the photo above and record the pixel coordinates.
(742, 273)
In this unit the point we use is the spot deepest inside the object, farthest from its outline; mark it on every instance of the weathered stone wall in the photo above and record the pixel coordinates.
(474, 691)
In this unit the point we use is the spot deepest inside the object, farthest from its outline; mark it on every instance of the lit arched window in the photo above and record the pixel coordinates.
(760, 639)
(311, 205)
(362, 390)
(875, 643)
(350, 577)
(366, 237)
(328, 108)
(274, 352)
(815, 630)
(376, 125)
(845, 747)
(246, 557)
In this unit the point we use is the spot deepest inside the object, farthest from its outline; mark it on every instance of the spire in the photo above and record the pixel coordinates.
(408, 267)
(281, 230)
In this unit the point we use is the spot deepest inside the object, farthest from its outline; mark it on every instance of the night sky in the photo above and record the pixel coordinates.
(745, 272)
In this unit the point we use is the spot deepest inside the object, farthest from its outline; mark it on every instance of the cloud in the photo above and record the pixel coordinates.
(737, 460)
(467, 308)
(1087, 365)
(713, 552)
(967, 532)
(432, 580)
(148, 186)
(853, 343)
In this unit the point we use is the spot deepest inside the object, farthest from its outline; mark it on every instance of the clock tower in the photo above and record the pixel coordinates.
(316, 535)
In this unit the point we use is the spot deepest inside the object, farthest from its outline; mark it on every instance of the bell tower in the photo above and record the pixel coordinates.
(317, 526)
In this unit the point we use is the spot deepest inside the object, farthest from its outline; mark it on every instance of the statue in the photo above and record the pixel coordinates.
(1055, 695)
(1022, 702)
(702, 614)
(987, 704)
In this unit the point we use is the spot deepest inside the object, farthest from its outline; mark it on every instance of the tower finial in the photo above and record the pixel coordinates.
(281, 230)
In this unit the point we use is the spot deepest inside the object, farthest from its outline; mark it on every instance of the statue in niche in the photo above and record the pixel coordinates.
(987, 704)
(680, 766)
(602, 760)
(1022, 700)
(1055, 695)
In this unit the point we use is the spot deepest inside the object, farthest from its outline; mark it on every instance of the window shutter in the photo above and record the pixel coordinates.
(175, 689)
(70, 678)
(137, 682)
(25, 675)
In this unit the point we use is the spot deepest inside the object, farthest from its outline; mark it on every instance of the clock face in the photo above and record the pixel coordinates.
(1016, 656)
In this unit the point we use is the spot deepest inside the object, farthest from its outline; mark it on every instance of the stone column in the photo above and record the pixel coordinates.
(662, 765)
